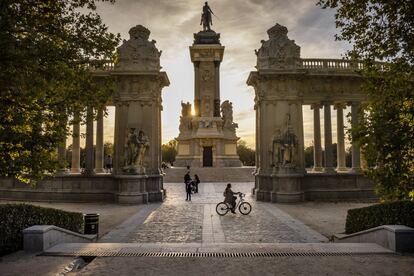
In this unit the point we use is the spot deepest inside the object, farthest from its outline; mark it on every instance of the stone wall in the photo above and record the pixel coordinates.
(79, 188)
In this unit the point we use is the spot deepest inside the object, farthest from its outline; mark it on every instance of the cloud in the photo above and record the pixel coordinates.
(242, 24)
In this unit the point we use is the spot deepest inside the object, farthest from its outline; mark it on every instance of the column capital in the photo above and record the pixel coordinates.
(316, 106)
(339, 105)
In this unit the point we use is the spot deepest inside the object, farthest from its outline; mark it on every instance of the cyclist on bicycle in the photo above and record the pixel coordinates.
(230, 198)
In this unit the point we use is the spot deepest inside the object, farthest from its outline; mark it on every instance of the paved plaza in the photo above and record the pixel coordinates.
(177, 225)
(177, 220)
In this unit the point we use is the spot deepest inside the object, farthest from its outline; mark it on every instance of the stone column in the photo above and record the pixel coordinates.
(197, 100)
(301, 139)
(217, 89)
(62, 157)
(356, 155)
(317, 149)
(99, 148)
(328, 138)
(89, 142)
(341, 137)
(75, 168)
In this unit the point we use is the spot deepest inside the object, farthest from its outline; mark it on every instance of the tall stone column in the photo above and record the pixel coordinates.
(99, 148)
(75, 168)
(89, 142)
(197, 100)
(137, 151)
(340, 136)
(279, 117)
(317, 148)
(301, 137)
(62, 157)
(356, 155)
(217, 90)
(328, 138)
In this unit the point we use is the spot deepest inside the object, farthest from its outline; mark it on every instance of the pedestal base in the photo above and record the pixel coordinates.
(287, 197)
(283, 187)
(132, 198)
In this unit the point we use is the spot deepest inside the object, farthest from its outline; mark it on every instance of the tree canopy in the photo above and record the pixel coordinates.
(383, 31)
(245, 153)
(169, 151)
(45, 49)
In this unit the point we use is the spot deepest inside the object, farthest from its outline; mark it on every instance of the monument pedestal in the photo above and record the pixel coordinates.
(207, 138)
(287, 188)
(132, 189)
(282, 185)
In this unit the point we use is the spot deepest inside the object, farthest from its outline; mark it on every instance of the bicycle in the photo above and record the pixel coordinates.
(244, 207)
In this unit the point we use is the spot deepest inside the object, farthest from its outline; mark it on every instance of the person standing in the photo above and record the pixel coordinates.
(108, 164)
(189, 188)
(187, 183)
(196, 182)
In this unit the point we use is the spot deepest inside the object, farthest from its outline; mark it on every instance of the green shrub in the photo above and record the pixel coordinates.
(398, 212)
(16, 217)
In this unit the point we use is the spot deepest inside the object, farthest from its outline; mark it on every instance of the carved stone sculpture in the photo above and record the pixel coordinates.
(275, 149)
(283, 147)
(142, 144)
(289, 144)
(185, 119)
(138, 53)
(279, 52)
(227, 115)
(135, 147)
(130, 147)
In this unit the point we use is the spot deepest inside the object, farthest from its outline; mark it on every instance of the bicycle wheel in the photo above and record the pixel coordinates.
(222, 208)
(245, 208)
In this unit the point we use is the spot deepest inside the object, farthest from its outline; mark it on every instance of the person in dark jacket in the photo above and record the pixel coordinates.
(188, 189)
(188, 186)
(196, 182)
(230, 198)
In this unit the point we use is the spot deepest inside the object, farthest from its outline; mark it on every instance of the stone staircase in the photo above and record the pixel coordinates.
(210, 174)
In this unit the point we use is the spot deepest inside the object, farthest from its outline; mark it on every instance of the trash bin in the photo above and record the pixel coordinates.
(91, 224)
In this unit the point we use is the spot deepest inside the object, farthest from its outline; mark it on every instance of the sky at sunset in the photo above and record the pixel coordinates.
(242, 25)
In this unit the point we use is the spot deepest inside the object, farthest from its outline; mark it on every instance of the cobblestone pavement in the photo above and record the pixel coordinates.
(178, 220)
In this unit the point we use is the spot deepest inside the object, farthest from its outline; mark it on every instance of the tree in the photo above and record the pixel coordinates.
(246, 154)
(383, 31)
(309, 157)
(169, 151)
(46, 47)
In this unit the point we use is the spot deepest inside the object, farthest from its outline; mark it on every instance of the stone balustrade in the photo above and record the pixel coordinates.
(330, 64)
(305, 63)
(101, 65)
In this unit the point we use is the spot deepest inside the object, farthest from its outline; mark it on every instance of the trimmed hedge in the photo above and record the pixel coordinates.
(398, 212)
(16, 217)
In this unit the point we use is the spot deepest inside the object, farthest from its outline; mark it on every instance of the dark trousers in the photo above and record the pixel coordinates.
(188, 195)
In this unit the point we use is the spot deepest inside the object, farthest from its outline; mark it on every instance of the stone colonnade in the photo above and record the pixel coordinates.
(283, 83)
(327, 167)
(94, 163)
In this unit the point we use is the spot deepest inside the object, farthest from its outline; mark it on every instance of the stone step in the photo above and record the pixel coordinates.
(221, 174)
